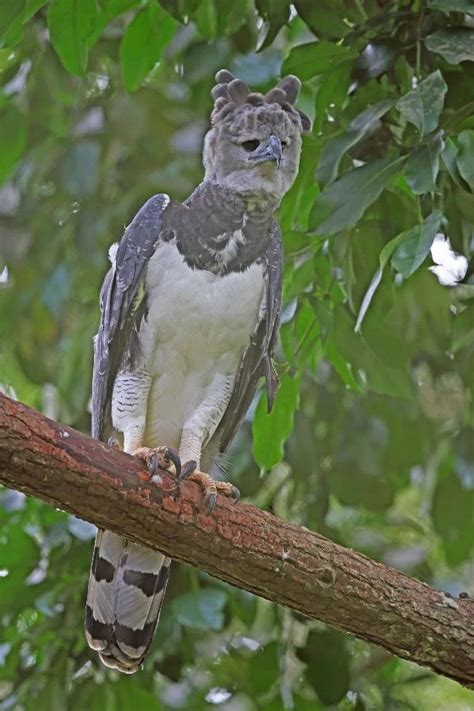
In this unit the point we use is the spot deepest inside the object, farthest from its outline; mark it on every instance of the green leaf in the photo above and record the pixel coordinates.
(342, 203)
(384, 256)
(15, 31)
(203, 609)
(414, 248)
(275, 14)
(452, 5)
(455, 46)
(452, 512)
(465, 158)
(327, 664)
(324, 18)
(422, 106)
(12, 139)
(112, 8)
(71, 25)
(331, 93)
(335, 149)
(266, 670)
(19, 555)
(143, 43)
(449, 157)
(231, 17)
(205, 18)
(422, 166)
(308, 60)
(271, 430)
(10, 10)
(377, 356)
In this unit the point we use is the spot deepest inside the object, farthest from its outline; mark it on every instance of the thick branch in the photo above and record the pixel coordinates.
(237, 543)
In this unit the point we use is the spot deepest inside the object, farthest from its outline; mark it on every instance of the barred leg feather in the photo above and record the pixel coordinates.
(126, 589)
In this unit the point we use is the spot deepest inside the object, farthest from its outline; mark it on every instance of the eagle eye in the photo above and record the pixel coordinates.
(250, 146)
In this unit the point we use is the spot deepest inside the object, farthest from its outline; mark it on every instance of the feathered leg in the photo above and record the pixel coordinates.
(127, 581)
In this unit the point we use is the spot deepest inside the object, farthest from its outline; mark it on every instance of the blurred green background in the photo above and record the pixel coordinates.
(102, 104)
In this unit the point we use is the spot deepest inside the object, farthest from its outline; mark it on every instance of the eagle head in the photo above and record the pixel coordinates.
(254, 144)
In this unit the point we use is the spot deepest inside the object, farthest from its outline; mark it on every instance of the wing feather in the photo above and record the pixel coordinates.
(257, 359)
(121, 301)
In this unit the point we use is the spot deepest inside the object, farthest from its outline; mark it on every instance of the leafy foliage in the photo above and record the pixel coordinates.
(105, 102)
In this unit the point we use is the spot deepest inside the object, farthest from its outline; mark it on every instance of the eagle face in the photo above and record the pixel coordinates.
(254, 144)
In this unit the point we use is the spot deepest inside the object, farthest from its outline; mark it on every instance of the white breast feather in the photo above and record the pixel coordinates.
(197, 329)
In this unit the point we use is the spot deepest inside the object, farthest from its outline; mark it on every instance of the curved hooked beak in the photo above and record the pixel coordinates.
(271, 149)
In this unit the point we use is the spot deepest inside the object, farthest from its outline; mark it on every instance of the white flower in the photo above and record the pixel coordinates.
(451, 267)
(4, 276)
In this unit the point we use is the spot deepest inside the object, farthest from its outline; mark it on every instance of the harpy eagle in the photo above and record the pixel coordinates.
(189, 317)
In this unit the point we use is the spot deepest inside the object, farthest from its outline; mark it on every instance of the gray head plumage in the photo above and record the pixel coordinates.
(229, 92)
(250, 129)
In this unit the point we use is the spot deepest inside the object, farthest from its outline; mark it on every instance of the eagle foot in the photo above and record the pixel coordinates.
(157, 458)
(114, 443)
(210, 486)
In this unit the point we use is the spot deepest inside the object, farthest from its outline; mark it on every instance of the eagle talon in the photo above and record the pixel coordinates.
(173, 456)
(114, 443)
(210, 501)
(188, 469)
(152, 465)
(235, 494)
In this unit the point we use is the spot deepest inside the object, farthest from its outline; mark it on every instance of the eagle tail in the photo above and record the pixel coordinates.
(127, 585)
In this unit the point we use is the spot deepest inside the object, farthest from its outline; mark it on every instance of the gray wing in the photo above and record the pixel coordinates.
(122, 304)
(257, 359)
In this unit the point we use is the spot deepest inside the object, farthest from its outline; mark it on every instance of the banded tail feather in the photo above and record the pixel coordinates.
(127, 585)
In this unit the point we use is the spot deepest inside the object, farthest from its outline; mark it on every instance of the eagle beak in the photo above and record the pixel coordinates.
(271, 149)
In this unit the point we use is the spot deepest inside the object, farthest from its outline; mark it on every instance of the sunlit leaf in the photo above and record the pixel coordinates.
(465, 159)
(9, 11)
(271, 430)
(143, 43)
(422, 105)
(12, 139)
(331, 93)
(335, 149)
(414, 248)
(205, 17)
(448, 156)
(342, 203)
(71, 25)
(308, 60)
(14, 33)
(384, 257)
(276, 14)
(422, 166)
(454, 45)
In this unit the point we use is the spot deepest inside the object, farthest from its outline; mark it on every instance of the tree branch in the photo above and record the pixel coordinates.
(238, 543)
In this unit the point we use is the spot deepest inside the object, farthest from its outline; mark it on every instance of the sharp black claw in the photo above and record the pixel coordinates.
(173, 456)
(210, 502)
(188, 469)
(152, 464)
(113, 442)
(235, 493)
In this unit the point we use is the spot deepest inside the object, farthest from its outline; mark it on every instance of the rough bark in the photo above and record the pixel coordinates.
(238, 543)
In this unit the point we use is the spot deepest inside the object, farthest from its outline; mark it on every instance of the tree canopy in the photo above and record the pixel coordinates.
(104, 103)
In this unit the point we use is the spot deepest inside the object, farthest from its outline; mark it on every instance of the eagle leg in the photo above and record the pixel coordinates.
(210, 487)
